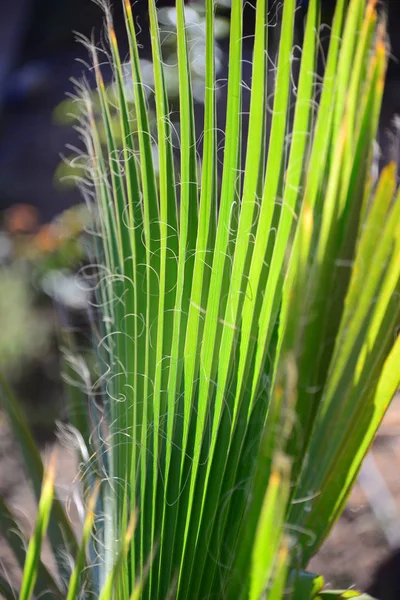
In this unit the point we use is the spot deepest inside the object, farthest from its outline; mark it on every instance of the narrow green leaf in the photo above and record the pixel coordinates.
(188, 205)
(167, 274)
(32, 560)
(76, 575)
(307, 586)
(277, 587)
(343, 595)
(270, 528)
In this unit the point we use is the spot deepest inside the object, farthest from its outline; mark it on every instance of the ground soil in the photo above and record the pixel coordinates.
(358, 542)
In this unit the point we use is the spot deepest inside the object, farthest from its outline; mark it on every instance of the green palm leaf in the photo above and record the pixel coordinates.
(251, 308)
(248, 326)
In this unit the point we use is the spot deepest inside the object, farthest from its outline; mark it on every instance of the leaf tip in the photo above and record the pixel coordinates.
(113, 37)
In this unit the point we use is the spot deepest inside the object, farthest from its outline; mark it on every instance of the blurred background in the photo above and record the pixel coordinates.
(42, 218)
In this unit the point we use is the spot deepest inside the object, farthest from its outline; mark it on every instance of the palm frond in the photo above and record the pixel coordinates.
(248, 324)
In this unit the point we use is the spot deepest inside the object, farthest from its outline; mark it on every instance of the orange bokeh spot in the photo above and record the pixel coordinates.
(47, 239)
(21, 218)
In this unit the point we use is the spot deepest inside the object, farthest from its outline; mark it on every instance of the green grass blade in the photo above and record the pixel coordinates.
(76, 575)
(32, 560)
